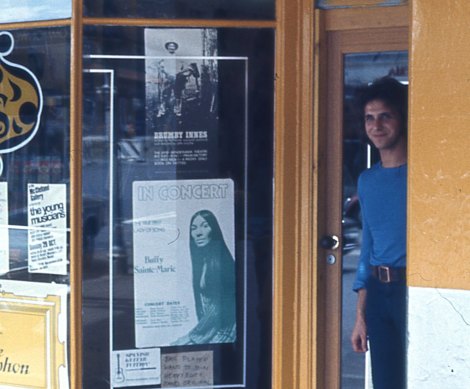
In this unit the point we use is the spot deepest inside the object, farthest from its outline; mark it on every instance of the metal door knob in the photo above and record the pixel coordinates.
(329, 242)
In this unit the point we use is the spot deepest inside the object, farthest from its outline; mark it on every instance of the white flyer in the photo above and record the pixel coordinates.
(184, 262)
(47, 228)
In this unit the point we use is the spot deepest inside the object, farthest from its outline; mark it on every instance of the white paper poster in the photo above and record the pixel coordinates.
(184, 262)
(136, 367)
(47, 234)
(4, 238)
(181, 83)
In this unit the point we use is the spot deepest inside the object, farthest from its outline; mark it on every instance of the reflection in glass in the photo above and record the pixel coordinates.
(202, 9)
(359, 70)
(35, 153)
(34, 203)
(168, 113)
(33, 10)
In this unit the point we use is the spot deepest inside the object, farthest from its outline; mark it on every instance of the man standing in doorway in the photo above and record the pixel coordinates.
(381, 274)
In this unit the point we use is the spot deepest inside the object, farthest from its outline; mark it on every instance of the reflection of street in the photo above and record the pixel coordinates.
(96, 318)
(353, 368)
(96, 282)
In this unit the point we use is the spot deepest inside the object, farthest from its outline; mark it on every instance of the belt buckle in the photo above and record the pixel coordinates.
(384, 274)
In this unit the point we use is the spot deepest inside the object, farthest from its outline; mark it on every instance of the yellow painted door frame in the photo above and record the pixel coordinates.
(299, 357)
(295, 361)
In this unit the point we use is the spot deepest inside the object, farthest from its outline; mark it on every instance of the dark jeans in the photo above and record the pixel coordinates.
(386, 327)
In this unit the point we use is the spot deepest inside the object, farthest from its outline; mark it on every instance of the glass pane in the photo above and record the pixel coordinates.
(32, 10)
(331, 4)
(170, 141)
(34, 202)
(203, 9)
(359, 70)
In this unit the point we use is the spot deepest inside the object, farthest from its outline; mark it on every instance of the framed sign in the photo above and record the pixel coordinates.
(37, 358)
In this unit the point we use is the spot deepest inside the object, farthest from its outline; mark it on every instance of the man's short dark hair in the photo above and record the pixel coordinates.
(174, 44)
(391, 92)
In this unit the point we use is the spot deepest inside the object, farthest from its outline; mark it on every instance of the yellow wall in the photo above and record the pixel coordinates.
(439, 153)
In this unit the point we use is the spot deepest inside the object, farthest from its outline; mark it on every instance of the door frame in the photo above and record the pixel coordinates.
(360, 30)
(300, 358)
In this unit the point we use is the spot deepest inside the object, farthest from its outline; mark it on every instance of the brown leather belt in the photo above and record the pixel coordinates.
(387, 274)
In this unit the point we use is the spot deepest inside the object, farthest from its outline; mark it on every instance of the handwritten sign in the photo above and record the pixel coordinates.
(193, 369)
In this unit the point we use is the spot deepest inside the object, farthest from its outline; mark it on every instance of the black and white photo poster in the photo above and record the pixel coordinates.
(181, 81)
(184, 262)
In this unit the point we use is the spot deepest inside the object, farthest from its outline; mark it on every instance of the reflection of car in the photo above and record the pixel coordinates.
(351, 218)
(351, 224)
(94, 212)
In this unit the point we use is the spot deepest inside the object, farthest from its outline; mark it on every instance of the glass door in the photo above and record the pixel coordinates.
(355, 58)
(359, 70)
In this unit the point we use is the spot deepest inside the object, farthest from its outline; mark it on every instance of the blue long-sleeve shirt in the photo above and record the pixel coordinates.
(382, 195)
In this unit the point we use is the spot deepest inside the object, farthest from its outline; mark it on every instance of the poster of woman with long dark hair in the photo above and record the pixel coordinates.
(213, 270)
(184, 262)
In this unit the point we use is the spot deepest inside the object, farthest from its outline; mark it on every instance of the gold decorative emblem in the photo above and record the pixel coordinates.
(20, 100)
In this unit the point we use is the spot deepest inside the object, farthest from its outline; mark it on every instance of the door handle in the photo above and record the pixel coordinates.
(329, 242)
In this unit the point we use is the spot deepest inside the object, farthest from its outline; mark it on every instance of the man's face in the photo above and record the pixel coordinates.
(383, 125)
(171, 47)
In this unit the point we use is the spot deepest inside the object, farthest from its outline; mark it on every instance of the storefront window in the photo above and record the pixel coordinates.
(34, 206)
(34, 146)
(202, 9)
(178, 138)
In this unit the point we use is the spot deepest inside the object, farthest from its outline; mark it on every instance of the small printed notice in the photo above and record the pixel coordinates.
(193, 369)
(47, 234)
(136, 367)
(4, 238)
